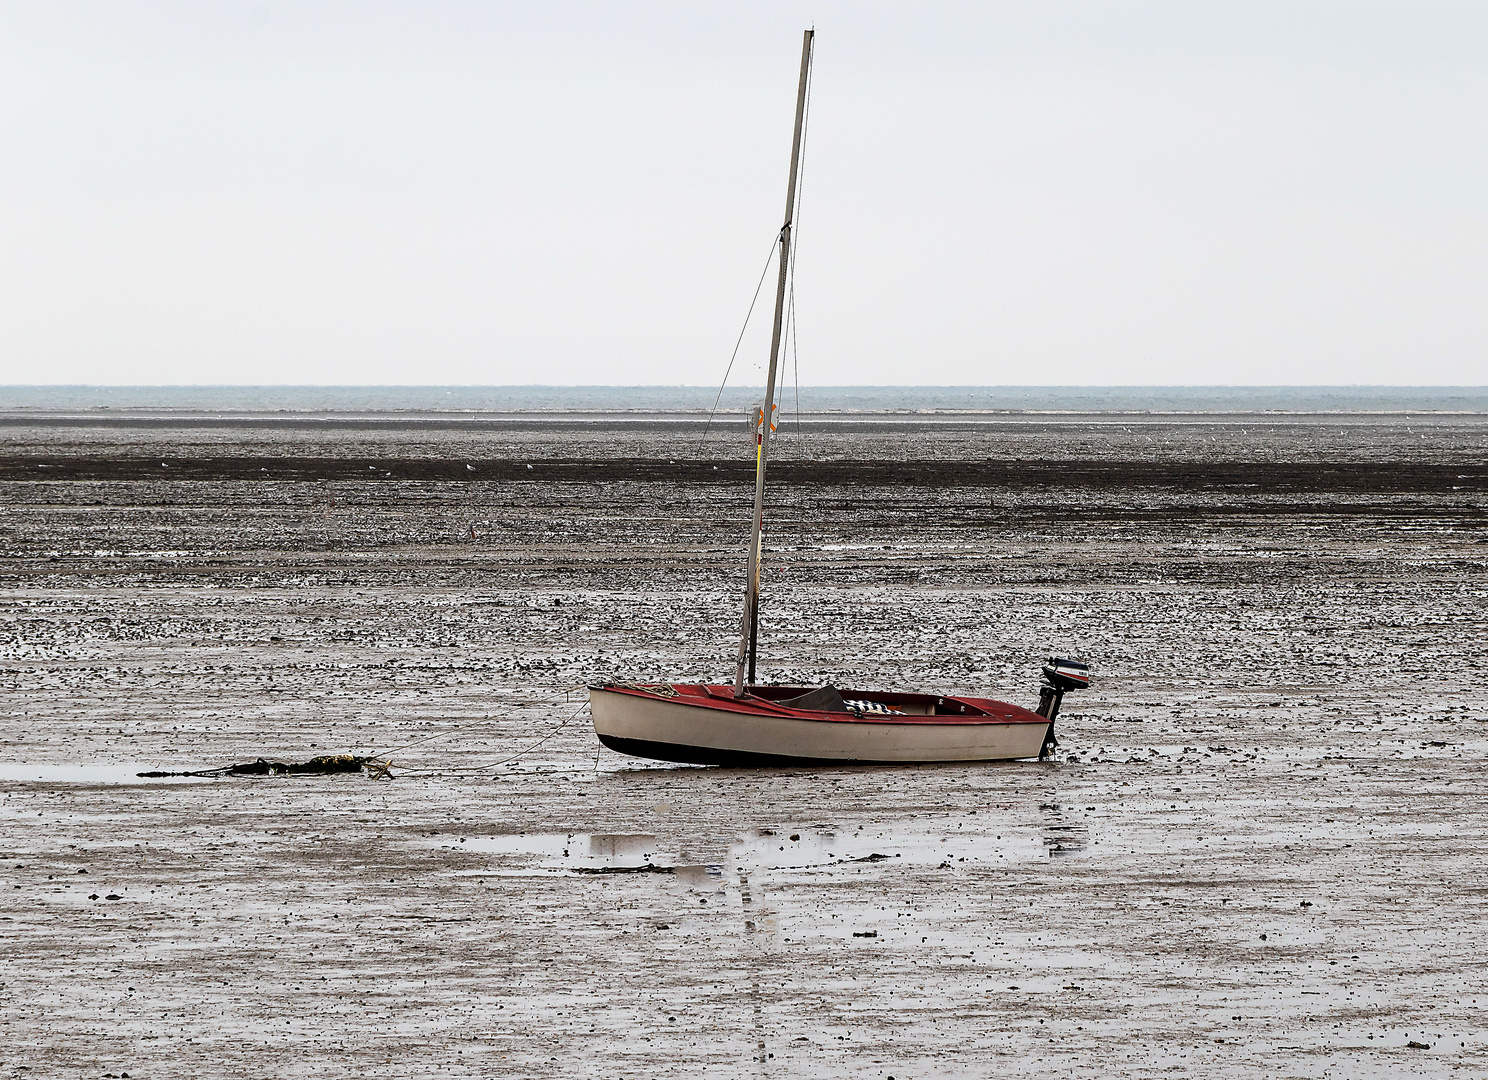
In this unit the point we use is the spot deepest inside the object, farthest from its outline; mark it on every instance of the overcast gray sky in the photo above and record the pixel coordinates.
(995, 193)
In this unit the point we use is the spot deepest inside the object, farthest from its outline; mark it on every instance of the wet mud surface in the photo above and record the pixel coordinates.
(1258, 853)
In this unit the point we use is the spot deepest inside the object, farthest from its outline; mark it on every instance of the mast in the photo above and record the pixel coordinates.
(749, 630)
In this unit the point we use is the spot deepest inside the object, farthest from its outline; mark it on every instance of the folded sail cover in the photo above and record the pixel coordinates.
(827, 699)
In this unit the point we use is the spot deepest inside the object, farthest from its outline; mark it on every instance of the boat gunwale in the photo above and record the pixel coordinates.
(720, 698)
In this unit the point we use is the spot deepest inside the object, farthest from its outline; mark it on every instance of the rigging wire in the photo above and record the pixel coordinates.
(791, 329)
(791, 325)
(747, 315)
(795, 352)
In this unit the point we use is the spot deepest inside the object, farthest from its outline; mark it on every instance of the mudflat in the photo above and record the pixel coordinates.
(1258, 853)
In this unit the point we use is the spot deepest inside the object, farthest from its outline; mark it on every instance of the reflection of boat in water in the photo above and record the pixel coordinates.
(747, 724)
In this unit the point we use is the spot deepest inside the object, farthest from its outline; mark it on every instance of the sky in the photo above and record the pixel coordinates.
(479, 193)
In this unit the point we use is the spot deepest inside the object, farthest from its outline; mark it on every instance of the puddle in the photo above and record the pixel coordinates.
(1061, 838)
(783, 849)
(583, 853)
(121, 773)
(1065, 840)
(942, 846)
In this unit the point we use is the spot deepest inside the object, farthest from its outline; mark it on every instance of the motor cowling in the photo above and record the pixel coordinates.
(1066, 675)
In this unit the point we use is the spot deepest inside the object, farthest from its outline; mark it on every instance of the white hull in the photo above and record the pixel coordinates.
(667, 729)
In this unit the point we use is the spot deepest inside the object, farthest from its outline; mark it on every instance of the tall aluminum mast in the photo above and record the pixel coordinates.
(749, 631)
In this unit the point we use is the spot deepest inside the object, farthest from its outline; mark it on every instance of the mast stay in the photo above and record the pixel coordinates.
(749, 628)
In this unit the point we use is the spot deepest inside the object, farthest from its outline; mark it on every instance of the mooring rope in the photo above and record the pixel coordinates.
(519, 754)
(456, 730)
(431, 738)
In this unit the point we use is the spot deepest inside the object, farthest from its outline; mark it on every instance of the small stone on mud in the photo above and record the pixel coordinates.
(1413, 1045)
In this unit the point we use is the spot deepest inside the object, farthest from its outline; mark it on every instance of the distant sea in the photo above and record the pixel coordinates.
(819, 400)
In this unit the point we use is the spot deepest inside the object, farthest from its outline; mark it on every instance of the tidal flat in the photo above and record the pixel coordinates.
(1259, 851)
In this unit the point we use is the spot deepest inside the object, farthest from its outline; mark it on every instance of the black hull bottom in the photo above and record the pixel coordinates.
(704, 755)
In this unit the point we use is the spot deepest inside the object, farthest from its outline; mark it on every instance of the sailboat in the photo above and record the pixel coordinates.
(749, 724)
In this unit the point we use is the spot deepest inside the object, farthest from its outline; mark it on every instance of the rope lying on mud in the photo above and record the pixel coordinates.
(570, 718)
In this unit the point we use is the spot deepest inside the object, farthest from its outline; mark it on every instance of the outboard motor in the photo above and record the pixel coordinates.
(1060, 677)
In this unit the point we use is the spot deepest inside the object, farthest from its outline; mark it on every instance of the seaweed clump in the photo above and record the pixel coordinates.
(322, 765)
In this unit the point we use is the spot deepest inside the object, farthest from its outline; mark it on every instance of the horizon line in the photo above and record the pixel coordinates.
(741, 386)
